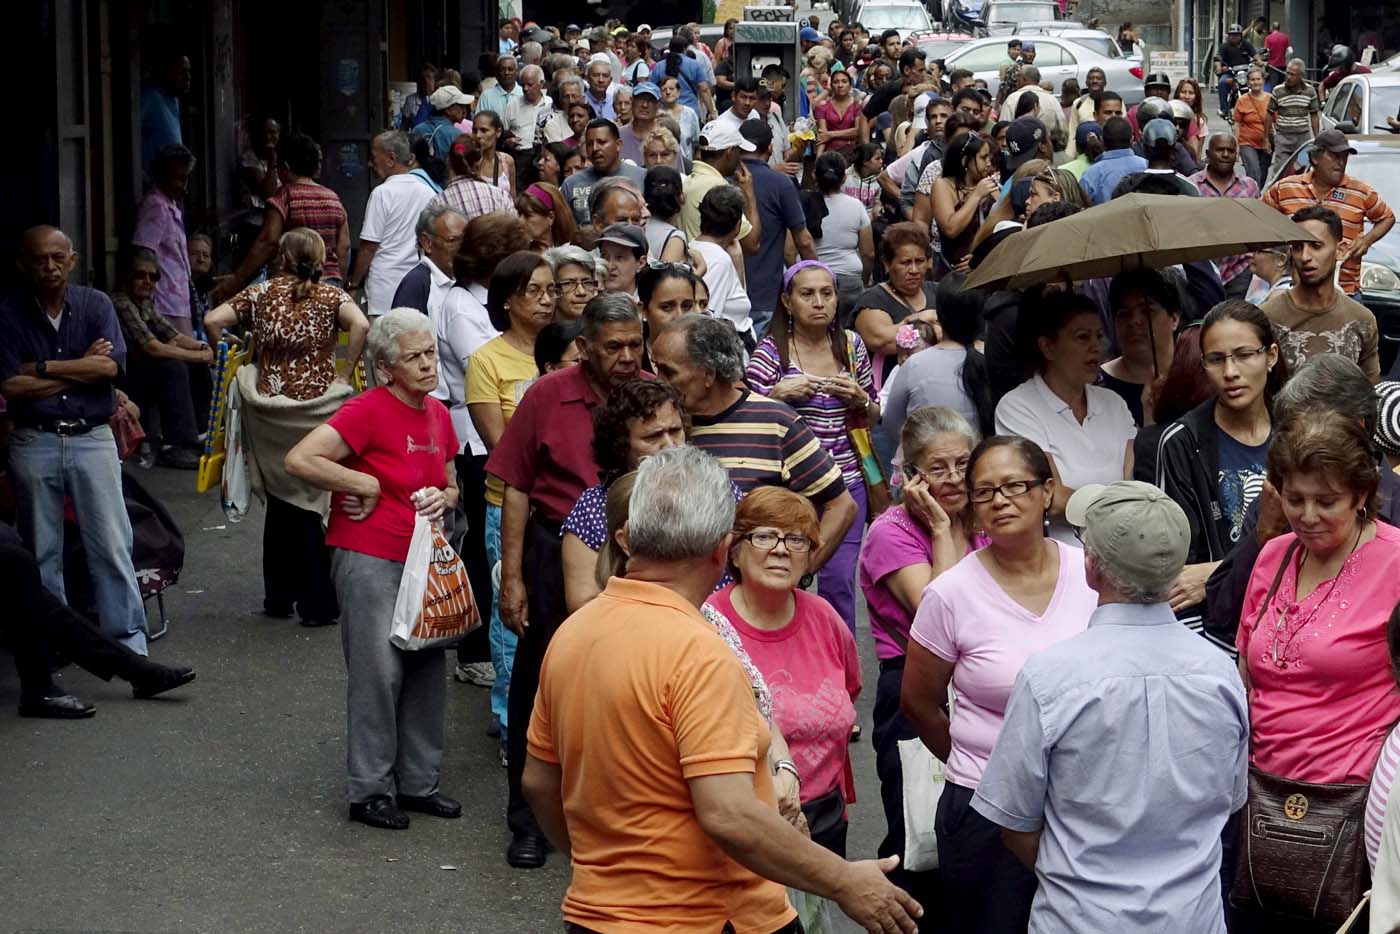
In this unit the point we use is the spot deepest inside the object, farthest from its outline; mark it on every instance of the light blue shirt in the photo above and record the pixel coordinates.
(495, 98)
(1128, 745)
(1099, 179)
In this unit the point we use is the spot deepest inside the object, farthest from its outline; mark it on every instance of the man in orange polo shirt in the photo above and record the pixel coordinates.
(648, 758)
(1355, 202)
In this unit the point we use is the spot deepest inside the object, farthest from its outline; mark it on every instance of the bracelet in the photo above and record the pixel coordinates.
(786, 765)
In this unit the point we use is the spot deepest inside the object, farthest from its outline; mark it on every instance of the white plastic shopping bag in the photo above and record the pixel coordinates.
(434, 606)
(923, 786)
(237, 487)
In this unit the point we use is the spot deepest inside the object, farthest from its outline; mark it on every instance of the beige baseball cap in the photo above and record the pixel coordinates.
(1138, 531)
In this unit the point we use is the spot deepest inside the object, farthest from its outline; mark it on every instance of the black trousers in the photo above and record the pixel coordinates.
(993, 891)
(891, 727)
(296, 563)
(42, 629)
(471, 506)
(161, 388)
(543, 568)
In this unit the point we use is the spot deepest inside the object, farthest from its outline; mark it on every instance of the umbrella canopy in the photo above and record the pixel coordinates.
(1134, 232)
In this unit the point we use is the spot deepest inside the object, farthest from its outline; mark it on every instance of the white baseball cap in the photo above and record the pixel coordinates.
(447, 95)
(718, 135)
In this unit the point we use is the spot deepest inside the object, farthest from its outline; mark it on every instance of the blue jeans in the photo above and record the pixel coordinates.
(502, 639)
(1224, 86)
(44, 467)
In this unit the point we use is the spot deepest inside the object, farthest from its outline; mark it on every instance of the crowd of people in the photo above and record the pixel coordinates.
(670, 367)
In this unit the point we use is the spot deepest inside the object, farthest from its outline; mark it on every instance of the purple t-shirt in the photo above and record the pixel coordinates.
(967, 619)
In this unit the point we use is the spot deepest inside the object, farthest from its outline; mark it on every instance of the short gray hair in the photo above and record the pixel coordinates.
(569, 255)
(395, 143)
(383, 342)
(607, 308)
(681, 507)
(531, 52)
(531, 72)
(712, 344)
(924, 424)
(430, 214)
(1332, 382)
(1030, 74)
(1299, 62)
(570, 81)
(1130, 590)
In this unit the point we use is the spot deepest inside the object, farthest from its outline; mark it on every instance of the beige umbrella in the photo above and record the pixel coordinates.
(1134, 232)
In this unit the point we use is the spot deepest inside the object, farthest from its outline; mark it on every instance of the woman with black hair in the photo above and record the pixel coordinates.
(468, 193)
(962, 197)
(664, 193)
(951, 373)
(840, 225)
(1212, 460)
(493, 165)
(556, 346)
(665, 292)
(1146, 310)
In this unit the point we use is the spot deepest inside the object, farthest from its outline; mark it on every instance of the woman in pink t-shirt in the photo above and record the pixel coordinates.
(977, 624)
(386, 455)
(910, 544)
(802, 647)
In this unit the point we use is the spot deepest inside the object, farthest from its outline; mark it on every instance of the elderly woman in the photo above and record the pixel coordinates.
(576, 275)
(294, 321)
(637, 419)
(468, 193)
(906, 296)
(796, 638)
(976, 625)
(547, 215)
(822, 370)
(1312, 635)
(385, 456)
(1086, 430)
(908, 546)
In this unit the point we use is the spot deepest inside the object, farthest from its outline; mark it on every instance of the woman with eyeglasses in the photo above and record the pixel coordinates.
(1212, 460)
(799, 642)
(909, 545)
(976, 625)
(576, 273)
(1085, 430)
(684, 116)
(1312, 630)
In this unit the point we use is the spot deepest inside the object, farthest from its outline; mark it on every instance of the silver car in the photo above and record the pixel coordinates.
(1057, 58)
(1360, 104)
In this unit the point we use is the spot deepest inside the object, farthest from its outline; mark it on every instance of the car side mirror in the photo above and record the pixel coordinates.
(1347, 127)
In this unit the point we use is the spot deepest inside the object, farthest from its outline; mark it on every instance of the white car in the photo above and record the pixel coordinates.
(1359, 104)
(878, 15)
(1057, 58)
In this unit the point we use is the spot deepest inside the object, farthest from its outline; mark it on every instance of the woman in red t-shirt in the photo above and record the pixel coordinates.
(386, 455)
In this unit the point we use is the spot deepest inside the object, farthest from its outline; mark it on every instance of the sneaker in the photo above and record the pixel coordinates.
(482, 674)
(146, 459)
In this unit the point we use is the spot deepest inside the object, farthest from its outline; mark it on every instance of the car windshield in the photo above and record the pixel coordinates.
(1378, 169)
(1385, 102)
(1104, 45)
(1020, 12)
(879, 18)
(941, 48)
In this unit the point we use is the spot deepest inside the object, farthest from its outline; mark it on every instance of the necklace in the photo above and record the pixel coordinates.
(1280, 653)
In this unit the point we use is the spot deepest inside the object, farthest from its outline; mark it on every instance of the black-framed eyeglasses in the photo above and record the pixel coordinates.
(1011, 490)
(796, 542)
(1241, 355)
(583, 283)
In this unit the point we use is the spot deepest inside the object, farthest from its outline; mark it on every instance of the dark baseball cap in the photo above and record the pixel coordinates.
(1333, 141)
(628, 235)
(1085, 130)
(1023, 141)
(757, 132)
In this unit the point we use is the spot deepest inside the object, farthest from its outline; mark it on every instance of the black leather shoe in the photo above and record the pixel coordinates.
(161, 679)
(436, 804)
(62, 707)
(379, 811)
(317, 623)
(526, 851)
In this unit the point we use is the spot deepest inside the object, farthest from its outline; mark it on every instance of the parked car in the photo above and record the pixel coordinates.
(905, 15)
(1003, 16)
(710, 34)
(1359, 104)
(940, 45)
(1095, 39)
(1057, 58)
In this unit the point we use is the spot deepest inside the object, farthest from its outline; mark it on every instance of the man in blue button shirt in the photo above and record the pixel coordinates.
(1117, 162)
(60, 350)
(1124, 750)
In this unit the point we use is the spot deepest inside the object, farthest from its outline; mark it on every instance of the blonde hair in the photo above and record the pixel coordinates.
(612, 560)
(302, 253)
(820, 57)
(661, 135)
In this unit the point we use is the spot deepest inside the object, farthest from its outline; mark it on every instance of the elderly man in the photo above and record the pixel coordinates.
(545, 460)
(646, 99)
(1051, 114)
(648, 760)
(439, 229)
(615, 200)
(450, 107)
(388, 242)
(1219, 180)
(600, 90)
(761, 441)
(1295, 114)
(60, 351)
(1326, 184)
(498, 97)
(602, 143)
(1125, 749)
(160, 228)
(531, 108)
(721, 151)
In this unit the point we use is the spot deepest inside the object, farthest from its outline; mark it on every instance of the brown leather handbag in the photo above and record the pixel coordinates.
(1302, 847)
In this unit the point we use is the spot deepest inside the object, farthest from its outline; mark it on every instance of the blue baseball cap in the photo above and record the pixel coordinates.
(646, 87)
(1027, 46)
(1081, 136)
(808, 34)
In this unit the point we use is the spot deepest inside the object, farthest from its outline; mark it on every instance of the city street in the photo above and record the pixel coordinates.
(220, 808)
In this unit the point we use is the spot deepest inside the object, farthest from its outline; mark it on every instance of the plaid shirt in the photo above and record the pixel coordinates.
(1242, 186)
(1353, 200)
(141, 323)
(474, 198)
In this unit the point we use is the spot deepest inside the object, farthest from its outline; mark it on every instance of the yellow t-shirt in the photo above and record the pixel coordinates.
(499, 374)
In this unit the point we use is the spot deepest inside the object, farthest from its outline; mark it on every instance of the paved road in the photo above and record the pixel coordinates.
(221, 808)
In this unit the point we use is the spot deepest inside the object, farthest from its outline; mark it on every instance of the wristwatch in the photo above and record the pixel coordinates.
(41, 367)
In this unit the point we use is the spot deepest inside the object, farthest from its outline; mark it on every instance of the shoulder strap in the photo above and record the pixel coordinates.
(1278, 579)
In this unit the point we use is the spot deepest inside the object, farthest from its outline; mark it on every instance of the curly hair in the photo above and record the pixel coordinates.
(635, 400)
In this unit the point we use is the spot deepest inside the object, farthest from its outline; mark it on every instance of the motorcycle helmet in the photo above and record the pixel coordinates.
(1341, 57)
(1153, 108)
(1157, 79)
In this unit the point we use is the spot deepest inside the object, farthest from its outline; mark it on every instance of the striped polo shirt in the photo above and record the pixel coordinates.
(1354, 201)
(763, 442)
(1293, 109)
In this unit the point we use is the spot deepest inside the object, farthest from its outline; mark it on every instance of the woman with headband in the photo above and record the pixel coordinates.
(547, 215)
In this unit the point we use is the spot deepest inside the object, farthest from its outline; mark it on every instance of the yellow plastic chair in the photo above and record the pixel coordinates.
(211, 463)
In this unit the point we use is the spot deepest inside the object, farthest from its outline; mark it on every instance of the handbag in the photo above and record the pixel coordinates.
(127, 430)
(923, 785)
(1302, 848)
(877, 488)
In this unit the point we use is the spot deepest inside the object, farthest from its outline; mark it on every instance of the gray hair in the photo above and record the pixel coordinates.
(1131, 591)
(571, 81)
(607, 308)
(604, 189)
(143, 254)
(681, 507)
(383, 342)
(430, 214)
(623, 91)
(569, 255)
(531, 52)
(395, 143)
(531, 72)
(924, 424)
(712, 344)
(1332, 382)
(1030, 74)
